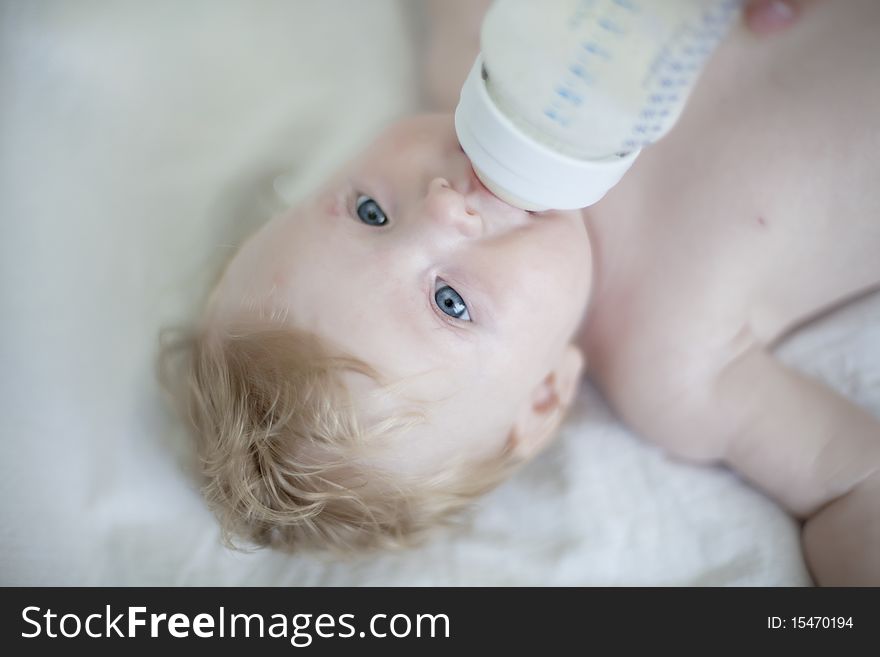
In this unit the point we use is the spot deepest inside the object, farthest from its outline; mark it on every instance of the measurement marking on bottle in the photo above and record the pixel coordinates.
(569, 95)
(610, 26)
(626, 4)
(595, 49)
(581, 73)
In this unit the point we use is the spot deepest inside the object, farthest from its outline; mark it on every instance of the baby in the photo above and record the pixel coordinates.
(372, 360)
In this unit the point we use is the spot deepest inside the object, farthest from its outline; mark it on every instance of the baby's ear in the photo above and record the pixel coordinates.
(538, 420)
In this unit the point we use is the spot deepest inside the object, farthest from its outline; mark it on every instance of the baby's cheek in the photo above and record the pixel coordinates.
(330, 205)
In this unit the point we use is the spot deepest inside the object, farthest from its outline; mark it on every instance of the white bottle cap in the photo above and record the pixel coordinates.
(519, 169)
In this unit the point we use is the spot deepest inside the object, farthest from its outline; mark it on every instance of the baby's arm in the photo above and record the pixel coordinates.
(813, 451)
(453, 42)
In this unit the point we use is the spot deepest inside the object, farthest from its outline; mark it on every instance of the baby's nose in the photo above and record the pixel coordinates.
(450, 210)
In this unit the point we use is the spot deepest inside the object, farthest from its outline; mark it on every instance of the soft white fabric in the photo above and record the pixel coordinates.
(138, 142)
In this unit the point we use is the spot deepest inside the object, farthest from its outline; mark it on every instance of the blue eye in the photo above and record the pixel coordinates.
(369, 211)
(451, 303)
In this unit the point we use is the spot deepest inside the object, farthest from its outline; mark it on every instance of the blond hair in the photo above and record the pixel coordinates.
(285, 459)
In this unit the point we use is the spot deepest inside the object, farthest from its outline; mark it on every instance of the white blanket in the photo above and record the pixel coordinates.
(138, 143)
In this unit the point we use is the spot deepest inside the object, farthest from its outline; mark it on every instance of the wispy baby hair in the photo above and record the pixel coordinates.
(286, 460)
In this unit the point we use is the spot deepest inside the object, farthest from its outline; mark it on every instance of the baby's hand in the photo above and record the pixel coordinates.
(769, 16)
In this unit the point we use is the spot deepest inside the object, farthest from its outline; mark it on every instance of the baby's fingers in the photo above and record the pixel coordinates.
(768, 16)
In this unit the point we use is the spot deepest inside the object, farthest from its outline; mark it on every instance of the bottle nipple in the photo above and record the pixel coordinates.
(505, 195)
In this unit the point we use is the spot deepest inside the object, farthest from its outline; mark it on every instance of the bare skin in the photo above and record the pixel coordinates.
(709, 256)
(705, 257)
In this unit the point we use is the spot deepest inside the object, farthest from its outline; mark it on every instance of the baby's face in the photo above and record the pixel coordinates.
(406, 262)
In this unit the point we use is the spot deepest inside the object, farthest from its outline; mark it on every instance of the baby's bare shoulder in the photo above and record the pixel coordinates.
(656, 353)
(692, 280)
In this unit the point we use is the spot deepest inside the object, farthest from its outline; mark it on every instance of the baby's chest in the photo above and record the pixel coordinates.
(762, 205)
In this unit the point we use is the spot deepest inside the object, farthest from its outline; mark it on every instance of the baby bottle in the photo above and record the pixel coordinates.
(566, 93)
